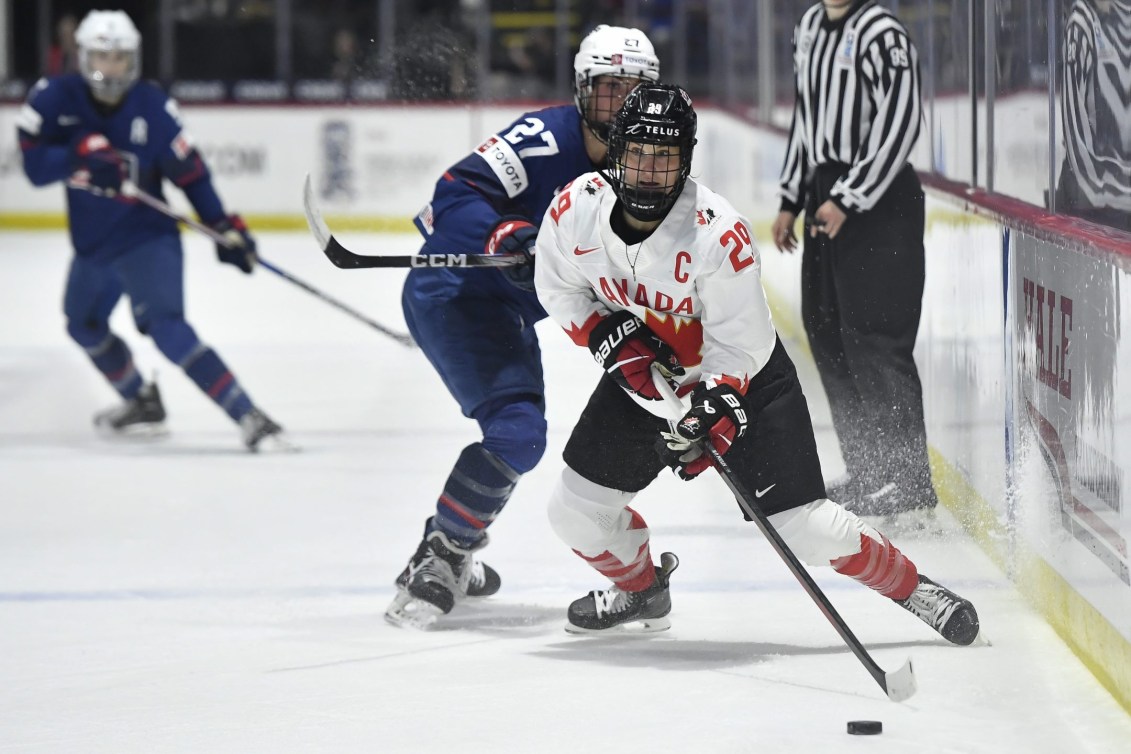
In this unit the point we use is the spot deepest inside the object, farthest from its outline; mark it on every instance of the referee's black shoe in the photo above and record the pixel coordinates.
(888, 499)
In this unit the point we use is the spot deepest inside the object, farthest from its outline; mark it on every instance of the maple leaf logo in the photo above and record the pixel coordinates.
(684, 335)
(705, 216)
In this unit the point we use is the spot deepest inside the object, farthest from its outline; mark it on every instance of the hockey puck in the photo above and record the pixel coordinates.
(865, 727)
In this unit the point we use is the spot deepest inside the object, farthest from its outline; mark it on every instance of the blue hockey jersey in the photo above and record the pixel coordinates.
(515, 172)
(147, 125)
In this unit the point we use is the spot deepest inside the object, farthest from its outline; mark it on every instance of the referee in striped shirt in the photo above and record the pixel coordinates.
(856, 117)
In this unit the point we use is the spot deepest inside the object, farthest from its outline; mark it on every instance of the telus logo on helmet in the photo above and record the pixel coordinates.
(637, 128)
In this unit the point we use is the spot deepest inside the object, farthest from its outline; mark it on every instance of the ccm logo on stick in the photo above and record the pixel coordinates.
(440, 260)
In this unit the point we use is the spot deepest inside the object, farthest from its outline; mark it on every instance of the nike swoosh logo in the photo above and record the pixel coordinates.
(578, 251)
(69, 120)
(759, 493)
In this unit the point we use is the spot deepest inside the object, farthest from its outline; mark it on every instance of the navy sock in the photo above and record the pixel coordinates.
(208, 371)
(477, 489)
(112, 357)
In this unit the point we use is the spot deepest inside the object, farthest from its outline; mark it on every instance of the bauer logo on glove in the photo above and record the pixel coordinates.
(718, 414)
(627, 348)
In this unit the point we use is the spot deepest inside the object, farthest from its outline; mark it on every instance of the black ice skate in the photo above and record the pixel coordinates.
(614, 610)
(141, 416)
(436, 577)
(260, 433)
(944, 611)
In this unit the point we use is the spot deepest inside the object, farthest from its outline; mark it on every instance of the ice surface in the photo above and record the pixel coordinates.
(185, 596)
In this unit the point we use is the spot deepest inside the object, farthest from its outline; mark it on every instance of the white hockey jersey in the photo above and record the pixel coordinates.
(695, 281)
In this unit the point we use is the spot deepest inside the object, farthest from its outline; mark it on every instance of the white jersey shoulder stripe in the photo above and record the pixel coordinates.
(29, 120)
(506, 165)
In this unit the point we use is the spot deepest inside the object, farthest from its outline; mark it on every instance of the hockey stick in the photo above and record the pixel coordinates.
(342, 257)
(899, 685)
(131, 190)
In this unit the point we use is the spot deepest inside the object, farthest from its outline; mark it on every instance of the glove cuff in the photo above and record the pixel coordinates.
(88, 144)
(228, 222)
(507, 226)
(722, 388)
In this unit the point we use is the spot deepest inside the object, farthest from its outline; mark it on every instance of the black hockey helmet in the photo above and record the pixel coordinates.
(645, 171)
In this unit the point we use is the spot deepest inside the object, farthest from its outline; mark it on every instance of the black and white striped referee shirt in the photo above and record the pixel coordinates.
(1097, 102)
(858, 103)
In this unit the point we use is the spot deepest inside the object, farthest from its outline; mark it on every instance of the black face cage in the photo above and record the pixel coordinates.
(644, 202)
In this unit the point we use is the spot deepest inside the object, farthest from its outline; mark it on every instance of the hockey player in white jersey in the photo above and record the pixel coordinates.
(642, 265)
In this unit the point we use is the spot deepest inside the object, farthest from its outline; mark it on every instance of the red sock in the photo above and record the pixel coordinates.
(635, 576)
(880, 566)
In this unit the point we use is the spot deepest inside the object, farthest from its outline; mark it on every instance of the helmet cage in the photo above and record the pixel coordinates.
(592, 100)
(659, 115)
(108, 31)
(110, 88)
(610, 51)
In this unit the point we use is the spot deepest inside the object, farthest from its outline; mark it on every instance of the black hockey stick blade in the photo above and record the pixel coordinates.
(899, 685)
(345, 259)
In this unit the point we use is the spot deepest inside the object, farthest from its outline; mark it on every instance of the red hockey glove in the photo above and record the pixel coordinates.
(718, 413)
(95, 163)
(514, 235)
(626, 348)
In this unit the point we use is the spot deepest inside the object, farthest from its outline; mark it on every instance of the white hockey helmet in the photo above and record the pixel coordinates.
(109, 31)
(610, 51)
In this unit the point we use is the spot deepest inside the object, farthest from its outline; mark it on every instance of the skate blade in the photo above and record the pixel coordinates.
(406, 611)
(276, 443)
(140, 433)
(645, 626)
(981, 640)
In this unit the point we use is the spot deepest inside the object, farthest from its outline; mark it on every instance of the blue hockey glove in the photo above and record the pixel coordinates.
(514, 235)
(626, 348)
(95, 163)
(241, 247)
(719, 414)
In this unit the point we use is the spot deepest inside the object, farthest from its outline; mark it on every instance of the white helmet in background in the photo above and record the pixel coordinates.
(610, 51)
(109, 31)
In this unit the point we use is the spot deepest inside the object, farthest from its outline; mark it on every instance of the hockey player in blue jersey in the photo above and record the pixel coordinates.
(476, 326)
(93, 130)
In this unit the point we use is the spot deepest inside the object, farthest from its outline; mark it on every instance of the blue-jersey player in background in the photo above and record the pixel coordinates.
(476, 326)
(92, 130)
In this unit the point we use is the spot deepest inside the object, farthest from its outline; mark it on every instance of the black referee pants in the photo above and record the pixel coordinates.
(861, 299)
